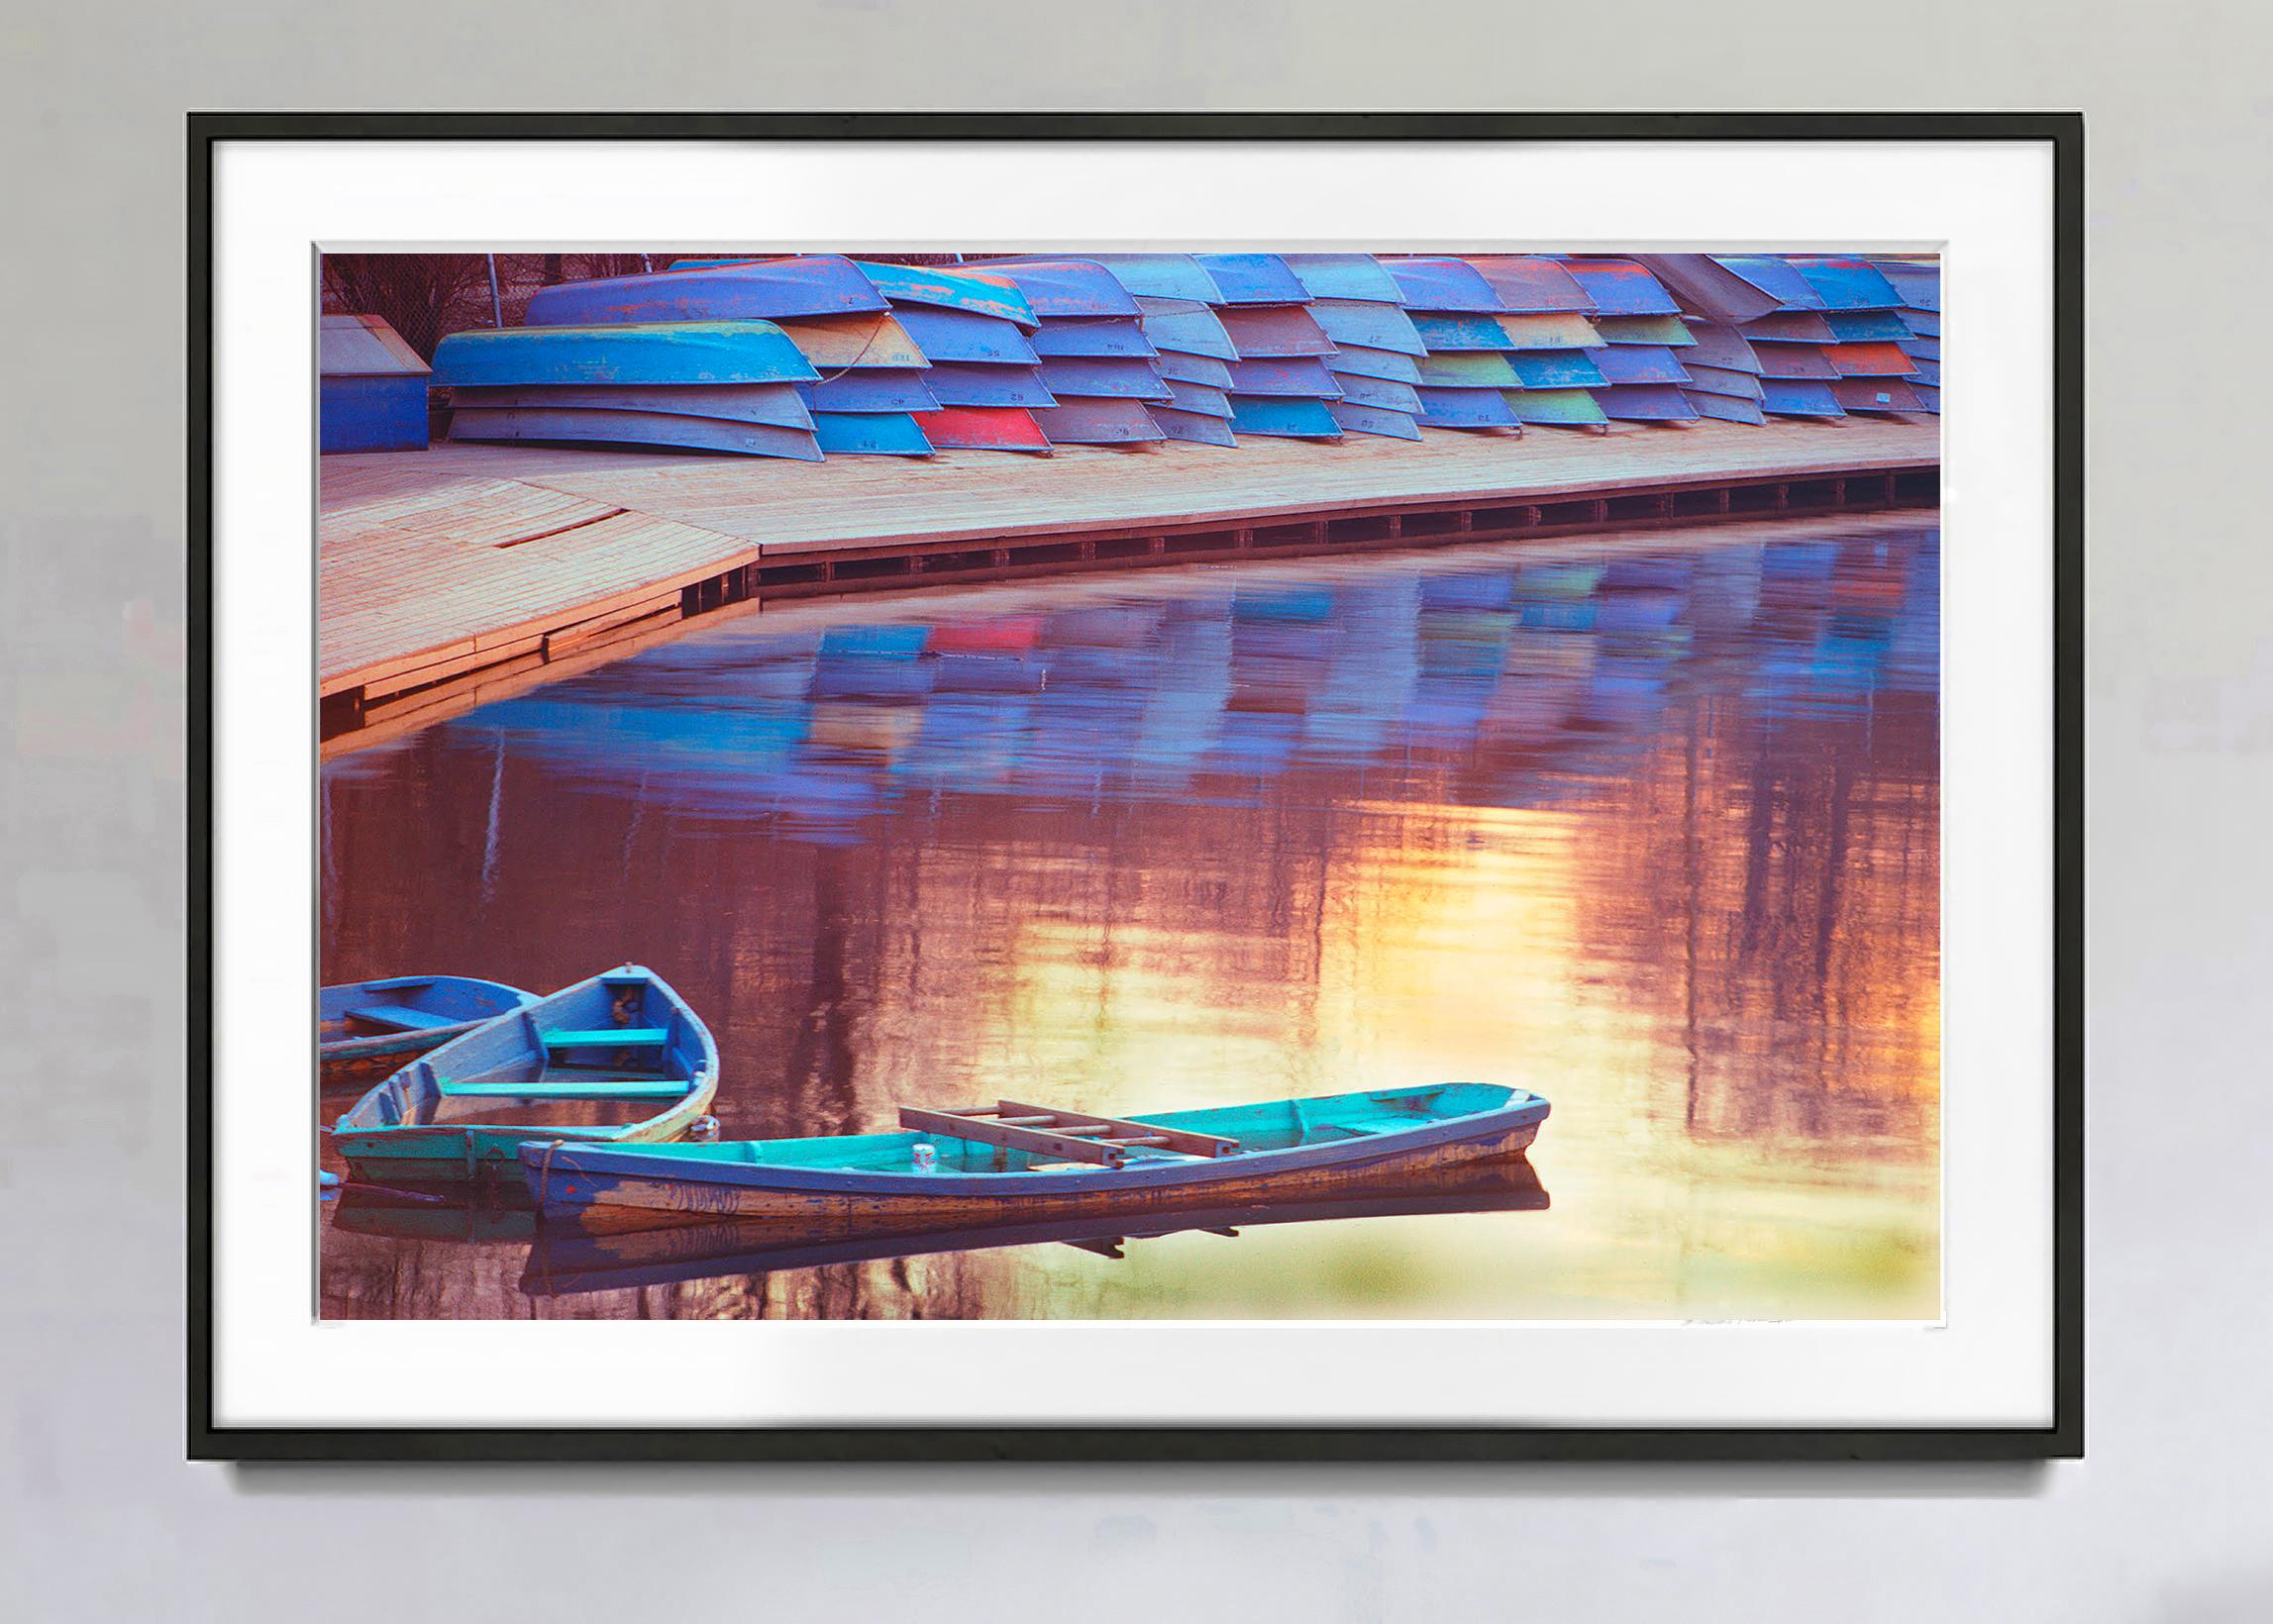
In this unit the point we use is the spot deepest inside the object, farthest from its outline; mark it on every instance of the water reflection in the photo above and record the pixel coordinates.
(1649, 827)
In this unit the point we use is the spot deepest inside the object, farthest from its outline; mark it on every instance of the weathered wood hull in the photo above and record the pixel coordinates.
(599, 1193)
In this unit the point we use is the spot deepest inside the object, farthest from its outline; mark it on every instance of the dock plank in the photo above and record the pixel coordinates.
(433, 563)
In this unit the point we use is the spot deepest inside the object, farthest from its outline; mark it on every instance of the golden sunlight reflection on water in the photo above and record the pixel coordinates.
(1649, 827)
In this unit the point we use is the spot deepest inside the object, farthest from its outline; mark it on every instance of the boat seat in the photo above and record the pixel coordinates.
(611, 1036)
(401, 1017)
(554, 1087)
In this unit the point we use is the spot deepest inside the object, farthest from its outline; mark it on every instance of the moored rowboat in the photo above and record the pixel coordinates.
(1011, 1160)
(616, 1058)
(366, 1029)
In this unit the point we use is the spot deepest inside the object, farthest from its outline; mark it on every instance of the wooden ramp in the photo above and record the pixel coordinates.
(464, 564)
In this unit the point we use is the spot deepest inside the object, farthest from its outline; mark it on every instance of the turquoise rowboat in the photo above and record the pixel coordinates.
(367, 1030)
(519, 358)
(616, 1058)
(993, 1163)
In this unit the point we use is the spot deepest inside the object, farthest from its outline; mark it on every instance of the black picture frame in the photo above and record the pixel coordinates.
(2063, 1437)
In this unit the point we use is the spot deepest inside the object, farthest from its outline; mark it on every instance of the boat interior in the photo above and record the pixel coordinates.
(1011, 1138)
(409, 1003)
(613, 1051)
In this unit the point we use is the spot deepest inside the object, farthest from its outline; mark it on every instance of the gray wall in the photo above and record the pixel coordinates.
(99, 1516)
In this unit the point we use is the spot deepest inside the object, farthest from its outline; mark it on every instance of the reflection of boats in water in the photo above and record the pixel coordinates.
(418, 1215)
(983, 1164)
(566, 1262)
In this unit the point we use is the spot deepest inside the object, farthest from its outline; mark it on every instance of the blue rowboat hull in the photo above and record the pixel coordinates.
(1454, 332)
(1199, 397)
(1065, 287)
(1639, 364)
(959, 336)
(954, 384)
(1709, 289)
(367, 1030)
(1558, 369)
(1162, 277)
(761, 291)
(1283, 417)
(1917, 281)
(1621, 287)
(1192, 329)
(1091, 336)
(619, 1056)
(1531, 284)
(1289, 1148)
(863, 390)
(870, 433)
(1799, 397)
(1443, 285)
(1200, 428)
(1773, 277)
(1727, 408)
(679, 352)
(1353, 418)
(626, 430)
(566, 1262)
(1253, 280)
(371, 412)
(971, 292)
(1182, 366)
(1465, 409)
(1275, 331)
(1647, 403)
(606, 427)
(1848, 284)
(1380, 394)
(1078, 420)
(1357, 277)
(1362, 361)
(1124, 378)
(1867, 326)
(1375, 325)
(1297, 375)
(778, 404)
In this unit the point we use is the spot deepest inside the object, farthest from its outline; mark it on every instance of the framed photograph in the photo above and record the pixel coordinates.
(1303, 787)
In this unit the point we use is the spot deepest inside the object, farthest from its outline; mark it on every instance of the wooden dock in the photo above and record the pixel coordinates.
(446, 570)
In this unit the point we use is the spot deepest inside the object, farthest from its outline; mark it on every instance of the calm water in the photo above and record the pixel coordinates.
(1648, 826)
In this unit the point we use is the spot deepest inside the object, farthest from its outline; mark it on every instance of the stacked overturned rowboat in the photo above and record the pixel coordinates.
(811, 356)
(595, 1099)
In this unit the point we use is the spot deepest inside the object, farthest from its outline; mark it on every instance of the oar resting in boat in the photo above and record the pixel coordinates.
(988, 1164)
(616, 1058)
